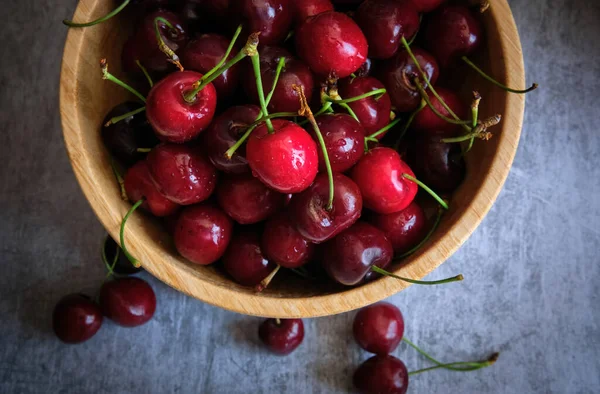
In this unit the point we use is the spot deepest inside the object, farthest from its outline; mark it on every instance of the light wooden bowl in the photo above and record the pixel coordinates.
(85, 99)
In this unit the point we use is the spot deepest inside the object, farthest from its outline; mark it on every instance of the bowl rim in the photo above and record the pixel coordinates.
(178, 275)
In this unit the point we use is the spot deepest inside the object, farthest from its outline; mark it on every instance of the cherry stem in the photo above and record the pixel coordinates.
(148, 78)
(134, 261)
(408, 123)
(438, 219)
(109, 267)
(164, 48)
(474, 116)
(425, 97)
(306, 112)
(106, 17)
(492, 80)
(265, 282)
(417, 32)
(120, 180)
(278, 321)
(108, 76)
(350, 111)
(227, 53)
(280, 66)
(373, 137)
(325, 108)
(427, 189)
(377, 92)
(478, 132)
(259, 87)
(381, 271)
(144, 150)
(117, 119)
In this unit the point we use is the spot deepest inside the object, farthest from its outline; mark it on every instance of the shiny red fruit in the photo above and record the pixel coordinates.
(372, 112)
(378, 328)
(139, 184)
(129, 302)
(281, 336)
(245, 261)
(283, 244)
(303, 9)
(405, 229)
(427, 122)
(272, 18)
(76, 318)
(381, 374)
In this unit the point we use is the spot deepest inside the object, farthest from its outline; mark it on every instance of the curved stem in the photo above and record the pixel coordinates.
(373, 137)
(381, 271)
(265, 282)
(120, 180)
(164, 48)
(280, 66)
(117, 119)
(259, 87)
(427, 189)
(492, 80)
(417, 32)
(227, 53)
(408, 123)
(425, 97)
(106, 17)
(109, 267)
(325, 108)
(108, 76)
(350, 111)
(438, 219)
(231, 151)
(377, 92)
(148, 78)
(134, 261)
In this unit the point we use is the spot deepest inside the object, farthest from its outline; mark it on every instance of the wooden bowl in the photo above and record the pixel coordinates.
(85, 98)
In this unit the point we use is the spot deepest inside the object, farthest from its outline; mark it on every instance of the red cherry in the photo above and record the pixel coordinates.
(138, 185)
(281, 336)
(331, 42)
(397, 73)
(373, 113)
(302, 9)
(309, 208)
(129, 302)
(405, 229)
(272, 18)
(348, 258)
(378, 328)
(285, 160)
(385, 22)
(245, 261)
(379, 175)
(202, 233)
(283, 244)
(223, 133)
(182, 173)
(76, 318)
(427, 5)
(429, 123)
(381, 374)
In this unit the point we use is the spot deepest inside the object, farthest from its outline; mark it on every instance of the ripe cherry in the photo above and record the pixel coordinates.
(202, 233)
(302, 9)
(139, 184)
(172, 117)
(281, 336)
(245, 260)
(427, 122)
(123, 266)
(405, 229)
(76, 318)
(129, 302)
(378, 328)
(380, 177)
(182, 173)
(283, 244)
(285, 160)
(381, 374)
(272, 18)
(331, 42)
(373, 112)
(427, 5)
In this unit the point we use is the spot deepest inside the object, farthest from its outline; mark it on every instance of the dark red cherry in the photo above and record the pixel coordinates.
(451, 32)
(281, 336)
(397, 73)
(427, 122)
(283, 244)
(295, 72)
(202, 233)
(182, 173)
(129, 302)
(309, 208)
(372, 112)
(285, 160)
(76, 318)
(272, 18)
(139, 184)
(427, 5)
(245, 261)
(204, 53)
(379, 175)
(331, 42)
(302, 9)
(344, 139)
(405, 229)
(378, 328)
(171, 116)
(385, 22)
(123, 266)
(350, 256)
(223, 133)
(381, 374)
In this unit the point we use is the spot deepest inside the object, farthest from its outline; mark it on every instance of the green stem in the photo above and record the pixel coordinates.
(148, 78)
(408, 123)
(350, 111)
(315, 126)
(117, 119)
(280, 66)
(373, 137)
(134, 261)
(106, 17)
(424, 240)
(109, 267)
(119, 178)
(492, 80)
(427, 189)
(108, 76)
(475, 117)
(461, 138)
(144, 150)
(425, 97)
(417, 32)
(259, 87)
(377, 92)
(325, 108)
(381, 271)
(227, 53)
(164, 48)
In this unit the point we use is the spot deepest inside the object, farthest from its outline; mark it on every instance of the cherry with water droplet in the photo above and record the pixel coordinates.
(427, 122)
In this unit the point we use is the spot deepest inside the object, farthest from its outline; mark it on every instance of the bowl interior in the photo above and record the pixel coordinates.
(86, 98)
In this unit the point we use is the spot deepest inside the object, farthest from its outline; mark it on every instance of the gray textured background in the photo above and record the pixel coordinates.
(532, 266)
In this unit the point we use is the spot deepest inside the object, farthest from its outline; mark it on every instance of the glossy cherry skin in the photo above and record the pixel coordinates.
(373, 113)
(295, 72)
(281, 338)
(223, 133)
(287, 160)
(428, 123)
(202, 233)
(385, 22)
(396, 74)
(245, 260)
(283, 244)
(205, 52)
(331, 42)
(350, 256)
(427, 5)
(381, 374)
(379, 175)
(139, 184)
(76, 318)
(247, 200)
(452, 31)
(123, 266)
(302, 9)
(171, 116)
(405, 229)
(129, 302)
(309, 208)
(272, 18)
(182, 173)
(378, 328)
